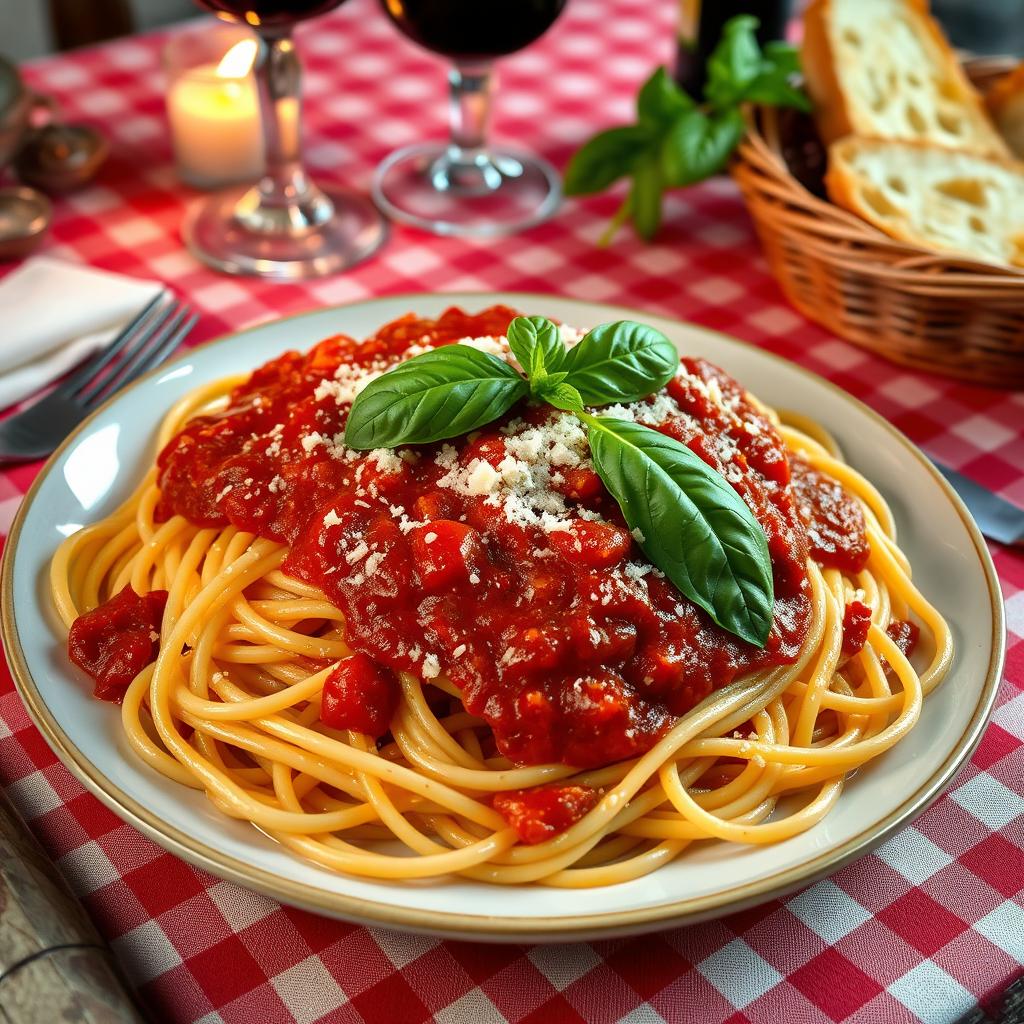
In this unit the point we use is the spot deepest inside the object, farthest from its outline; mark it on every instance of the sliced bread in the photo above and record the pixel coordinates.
(882, 68)
(938, 198)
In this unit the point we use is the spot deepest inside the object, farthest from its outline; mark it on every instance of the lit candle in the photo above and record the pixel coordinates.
(215, 120)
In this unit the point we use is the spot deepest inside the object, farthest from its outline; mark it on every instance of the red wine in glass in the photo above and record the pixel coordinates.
(270, 12)
(473, 30)
(284, 227)
(465, 186)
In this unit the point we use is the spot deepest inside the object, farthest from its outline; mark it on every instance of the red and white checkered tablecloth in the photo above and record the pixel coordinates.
(925, 928)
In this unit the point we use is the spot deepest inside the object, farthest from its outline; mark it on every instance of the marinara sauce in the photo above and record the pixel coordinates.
(555, 628)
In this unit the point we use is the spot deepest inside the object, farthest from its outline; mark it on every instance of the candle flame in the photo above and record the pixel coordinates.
(238, 61)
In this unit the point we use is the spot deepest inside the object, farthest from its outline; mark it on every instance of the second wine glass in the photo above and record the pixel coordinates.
(466, 186)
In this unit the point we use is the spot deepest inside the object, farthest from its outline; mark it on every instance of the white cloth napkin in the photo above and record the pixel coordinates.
(54, 314)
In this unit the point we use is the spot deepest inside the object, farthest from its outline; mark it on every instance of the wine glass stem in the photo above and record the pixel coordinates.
(470, 108)
(285, 201)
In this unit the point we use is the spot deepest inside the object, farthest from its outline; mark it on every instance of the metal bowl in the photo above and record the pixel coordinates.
(25, 216)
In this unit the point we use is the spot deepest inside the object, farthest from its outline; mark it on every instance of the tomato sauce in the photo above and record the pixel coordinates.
(562, 637)
(361, 695)
(856, 623)
(116, 641)
(904, 635)
(836, 531)
(540, 814)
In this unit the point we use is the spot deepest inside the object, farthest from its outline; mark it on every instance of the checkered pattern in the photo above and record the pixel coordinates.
(923, 929)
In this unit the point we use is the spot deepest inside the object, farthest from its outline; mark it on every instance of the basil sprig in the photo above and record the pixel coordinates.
(677, 140)
(685, 517)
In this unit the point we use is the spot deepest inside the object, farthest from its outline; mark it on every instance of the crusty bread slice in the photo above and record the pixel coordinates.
(882, 68)
(938, 198)
(1005, 101)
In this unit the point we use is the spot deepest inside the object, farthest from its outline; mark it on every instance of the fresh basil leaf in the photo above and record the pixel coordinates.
(784, 59)
(443, 393)
(563, 396)
(604, 159)
(660, 101)
(620, 362)
(734, 63)
(645, 199)
(537, 344)
(699, 145)
(693, 525)
(774, 88)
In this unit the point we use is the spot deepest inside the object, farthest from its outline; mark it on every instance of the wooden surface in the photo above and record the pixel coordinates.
(54, 967)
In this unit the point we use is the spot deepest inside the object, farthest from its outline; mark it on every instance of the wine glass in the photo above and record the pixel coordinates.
(285, 227)
(466, 186)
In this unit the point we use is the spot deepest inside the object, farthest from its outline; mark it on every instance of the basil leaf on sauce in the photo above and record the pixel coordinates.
(439, 394)
(537, 344)
(620, 362)
(689, 522)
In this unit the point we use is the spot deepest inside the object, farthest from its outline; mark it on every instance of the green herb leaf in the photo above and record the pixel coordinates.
(562, 396)
(699, 145)
(443, 393)
(693, 525)
(738, 71)
(537, 344)
(734, 63)
(645, 199)
(676, 143)
(783, 58)
(605, 158)
(773, 87)
(620, 362)
(660, 101)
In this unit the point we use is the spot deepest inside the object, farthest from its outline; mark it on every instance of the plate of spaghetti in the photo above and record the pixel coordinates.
(504, 615)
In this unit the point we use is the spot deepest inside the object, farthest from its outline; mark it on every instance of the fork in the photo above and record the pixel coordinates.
(145, 343)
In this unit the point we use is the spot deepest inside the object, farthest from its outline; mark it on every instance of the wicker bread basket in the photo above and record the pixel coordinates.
(931, 310)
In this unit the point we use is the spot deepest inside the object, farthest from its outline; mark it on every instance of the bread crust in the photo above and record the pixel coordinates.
(820, 76)
(834, 113)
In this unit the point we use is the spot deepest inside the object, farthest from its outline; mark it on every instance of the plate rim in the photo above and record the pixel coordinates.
(491, 926)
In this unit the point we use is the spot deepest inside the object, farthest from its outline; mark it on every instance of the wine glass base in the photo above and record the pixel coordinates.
(485, 193)
(216, 236)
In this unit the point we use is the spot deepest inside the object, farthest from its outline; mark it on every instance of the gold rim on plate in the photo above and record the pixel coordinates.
(676, 912)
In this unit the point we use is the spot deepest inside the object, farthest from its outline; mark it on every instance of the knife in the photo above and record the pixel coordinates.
(997, 518)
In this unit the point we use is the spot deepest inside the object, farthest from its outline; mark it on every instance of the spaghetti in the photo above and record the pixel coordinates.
(477, 673)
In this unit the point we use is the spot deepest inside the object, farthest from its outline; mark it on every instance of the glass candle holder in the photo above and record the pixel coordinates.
(282, 226)
(213, 106)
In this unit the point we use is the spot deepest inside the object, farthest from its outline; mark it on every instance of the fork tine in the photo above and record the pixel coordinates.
(142, 341)
(93, 366)
(159, 345)
(158, 354)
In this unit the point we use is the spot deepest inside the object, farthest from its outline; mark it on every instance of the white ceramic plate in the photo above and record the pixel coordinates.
(95, 470)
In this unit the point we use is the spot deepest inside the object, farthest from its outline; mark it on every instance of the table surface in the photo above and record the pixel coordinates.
(927, 927)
